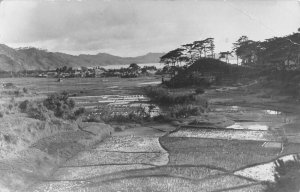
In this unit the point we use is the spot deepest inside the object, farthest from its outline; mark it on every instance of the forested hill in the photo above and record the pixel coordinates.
(37, 59)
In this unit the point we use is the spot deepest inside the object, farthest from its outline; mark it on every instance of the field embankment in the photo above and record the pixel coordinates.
(35, 140)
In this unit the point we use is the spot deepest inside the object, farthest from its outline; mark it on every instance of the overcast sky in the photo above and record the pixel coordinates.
(135, 27)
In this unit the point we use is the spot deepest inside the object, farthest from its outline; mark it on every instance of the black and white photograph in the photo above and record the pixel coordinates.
(149, 95)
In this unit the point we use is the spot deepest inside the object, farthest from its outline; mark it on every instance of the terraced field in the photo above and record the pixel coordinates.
(160, 157)
(175, 159)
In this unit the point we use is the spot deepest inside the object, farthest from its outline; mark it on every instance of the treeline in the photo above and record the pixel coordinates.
(275, 54)
(275, 61)
(190, 52)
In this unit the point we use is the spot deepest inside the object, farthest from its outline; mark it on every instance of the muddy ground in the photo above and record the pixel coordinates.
(247, 132)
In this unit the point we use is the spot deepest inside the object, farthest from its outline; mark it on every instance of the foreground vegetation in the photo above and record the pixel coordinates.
(57, 104)
(287, 177)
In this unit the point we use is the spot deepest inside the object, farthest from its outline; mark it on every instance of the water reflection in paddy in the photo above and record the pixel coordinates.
(272, 112)
(120, 103)
(249, 126)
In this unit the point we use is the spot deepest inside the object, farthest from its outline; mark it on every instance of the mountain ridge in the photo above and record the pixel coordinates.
(37, 59)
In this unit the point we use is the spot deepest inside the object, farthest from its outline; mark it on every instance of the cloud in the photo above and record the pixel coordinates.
(135, 27)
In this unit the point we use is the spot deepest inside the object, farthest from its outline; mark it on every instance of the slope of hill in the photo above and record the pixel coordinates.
(10, 59)
(107, 59)
(37, 59)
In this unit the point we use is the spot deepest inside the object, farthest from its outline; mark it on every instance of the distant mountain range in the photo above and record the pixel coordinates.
(37, 59)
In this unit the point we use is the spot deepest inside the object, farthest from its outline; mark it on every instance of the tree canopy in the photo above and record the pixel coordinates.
(188, 53)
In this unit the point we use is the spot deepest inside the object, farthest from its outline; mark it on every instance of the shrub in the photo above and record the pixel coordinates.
(1, 114)
(162, 118)
(79, 111)
(25, 90)
(10, 139)
(199, 90)
(179, 111)
(9, 85)
(24, 106)
(38, 112)
(287, 177)
(163, 97)
(17, 93)
(61, 105)
(10, 106)
(93, 118)
(34, 110)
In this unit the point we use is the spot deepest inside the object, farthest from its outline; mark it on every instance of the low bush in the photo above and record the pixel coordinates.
(24, 105)
(199, 90)
(163, 97)
(93, 118)
(34, 110)
(79, 111)
(161, 118)
(17, 93)
(25, 90)
(61, 105)
(9, 85)
(38, 111)
(1, 114)
(10, 139)
(287, 177)
(183, 111)
(10, 106)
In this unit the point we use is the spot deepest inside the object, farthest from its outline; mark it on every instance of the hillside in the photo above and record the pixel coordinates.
(37, 59)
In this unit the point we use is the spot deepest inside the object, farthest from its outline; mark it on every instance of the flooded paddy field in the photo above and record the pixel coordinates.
(227, 134)
(245, 158)
(240, 156)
